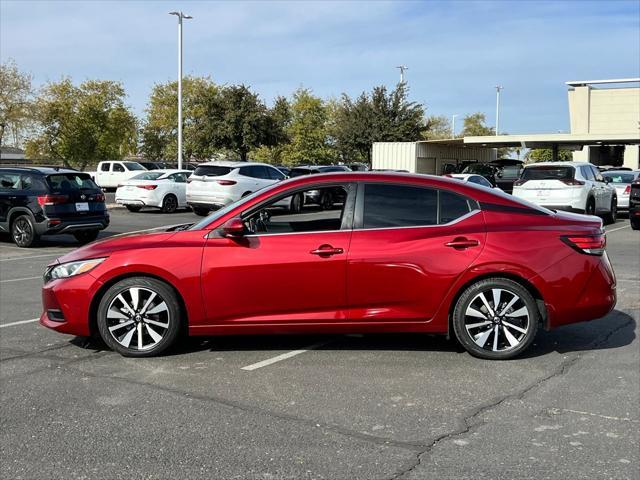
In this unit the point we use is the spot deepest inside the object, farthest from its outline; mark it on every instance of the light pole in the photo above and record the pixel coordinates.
(498, 88)
(402, 68)
(180, 16)
(453, 125)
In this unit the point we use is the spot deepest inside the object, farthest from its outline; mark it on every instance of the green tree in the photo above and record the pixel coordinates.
(307, 131)
(437, 127)
(278, 122)
(159, 133)
(235, 120)
(378, 117)
(546, 155)
(16, 103)
(474, 125)
(84, 124)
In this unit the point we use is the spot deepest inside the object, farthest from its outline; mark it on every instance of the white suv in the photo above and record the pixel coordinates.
(217, 184)
(573, 186)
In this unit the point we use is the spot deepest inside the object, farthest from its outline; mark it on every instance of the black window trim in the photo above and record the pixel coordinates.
(358, 221)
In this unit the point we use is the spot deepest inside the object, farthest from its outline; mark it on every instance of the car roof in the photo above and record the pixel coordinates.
(231, 164)
(45, 170)
(559, 164)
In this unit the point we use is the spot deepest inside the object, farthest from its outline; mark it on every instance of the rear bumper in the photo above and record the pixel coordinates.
(50, 226)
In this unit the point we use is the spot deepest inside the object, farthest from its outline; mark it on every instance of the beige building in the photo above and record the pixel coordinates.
(602, 108)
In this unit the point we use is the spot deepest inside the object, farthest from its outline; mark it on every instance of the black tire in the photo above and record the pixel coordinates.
(86, 236)
(203, 212)
(612, 216)
(478, 338)
(590, 207)
(133, 208)
(296, 203)
(326, 202)
(165, 300)
(23, 232)
(169, 204)
(635, 224)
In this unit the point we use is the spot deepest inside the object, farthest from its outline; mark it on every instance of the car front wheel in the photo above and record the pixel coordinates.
(139, 317)
(495, 319)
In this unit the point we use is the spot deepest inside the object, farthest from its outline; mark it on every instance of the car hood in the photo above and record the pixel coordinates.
(125, 241)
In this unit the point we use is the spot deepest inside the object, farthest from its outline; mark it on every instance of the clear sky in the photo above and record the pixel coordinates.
(456, 51)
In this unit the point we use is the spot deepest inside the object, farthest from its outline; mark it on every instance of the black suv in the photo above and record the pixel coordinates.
(36, 201)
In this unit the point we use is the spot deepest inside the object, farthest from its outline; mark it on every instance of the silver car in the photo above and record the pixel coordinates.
(621, 180)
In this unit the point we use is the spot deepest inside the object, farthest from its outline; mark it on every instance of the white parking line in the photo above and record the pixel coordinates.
(284, 356)
(20, 279)
(21, 322)
(619, 228)
(33, 256)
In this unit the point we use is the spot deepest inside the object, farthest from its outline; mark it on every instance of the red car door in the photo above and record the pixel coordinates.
(289, 268)
(408, 246)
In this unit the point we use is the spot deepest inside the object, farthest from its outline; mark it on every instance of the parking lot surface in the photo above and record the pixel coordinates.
(333, 407)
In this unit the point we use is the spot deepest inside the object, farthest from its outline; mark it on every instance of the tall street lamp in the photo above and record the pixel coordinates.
(453, 125)
(498, 89)
(180, 16)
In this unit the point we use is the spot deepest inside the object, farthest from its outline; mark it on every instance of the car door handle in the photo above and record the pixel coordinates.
(326, 251)
(462, 243)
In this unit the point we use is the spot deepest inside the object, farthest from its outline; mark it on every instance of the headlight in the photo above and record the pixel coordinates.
(70, 269)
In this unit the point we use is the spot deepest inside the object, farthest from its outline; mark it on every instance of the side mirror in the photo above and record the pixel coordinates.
(233, 228)
(607, 179)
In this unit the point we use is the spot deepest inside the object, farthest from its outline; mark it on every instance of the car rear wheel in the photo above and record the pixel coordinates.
(23, 231)
(86, 236)
(591, 207)
(133, 208)
(169, 204)
(139, 317)
(496, 319)
(612, 216)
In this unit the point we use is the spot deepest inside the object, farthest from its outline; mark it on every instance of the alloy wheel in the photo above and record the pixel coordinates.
(497, 320)
(22, 231)
(138, 318)
(170, 204)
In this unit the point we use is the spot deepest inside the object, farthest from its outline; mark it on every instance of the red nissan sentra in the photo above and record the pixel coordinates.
(342, 253)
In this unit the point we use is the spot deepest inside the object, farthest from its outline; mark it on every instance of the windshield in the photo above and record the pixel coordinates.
(65, 182)
(212, 171)
(133, 166)
(548, 172)
(148, 176)
(619, 177)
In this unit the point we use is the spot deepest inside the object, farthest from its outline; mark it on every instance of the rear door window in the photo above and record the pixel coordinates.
(388, 206)
(275, 174)
(211, 171)
(548, 173)
(105, 167)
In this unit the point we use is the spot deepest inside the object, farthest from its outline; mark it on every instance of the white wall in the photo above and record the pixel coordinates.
(394, 156)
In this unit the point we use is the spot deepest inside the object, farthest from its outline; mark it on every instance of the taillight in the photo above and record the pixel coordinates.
(627, 190)
(226, 182)
(572, 181)
(147, 187)
(589, 244)
(52, 199)
(99, 197)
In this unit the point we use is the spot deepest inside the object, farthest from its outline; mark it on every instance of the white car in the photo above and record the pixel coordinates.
(110, 174)
(164, 189)
(572, 186)
(473, 178)
(217, 184)
(621, 181)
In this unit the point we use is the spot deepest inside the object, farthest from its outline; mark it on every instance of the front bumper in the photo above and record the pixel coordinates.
(66, 304)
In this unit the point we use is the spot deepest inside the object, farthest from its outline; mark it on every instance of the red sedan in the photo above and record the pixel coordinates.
(389, 253)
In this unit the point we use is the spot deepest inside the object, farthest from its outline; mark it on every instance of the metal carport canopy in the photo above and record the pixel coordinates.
(550, 140)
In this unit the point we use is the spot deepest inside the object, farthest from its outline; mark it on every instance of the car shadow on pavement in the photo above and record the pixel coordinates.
(613, 331)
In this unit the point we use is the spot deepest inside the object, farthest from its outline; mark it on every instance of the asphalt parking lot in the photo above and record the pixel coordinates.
(331, 407)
